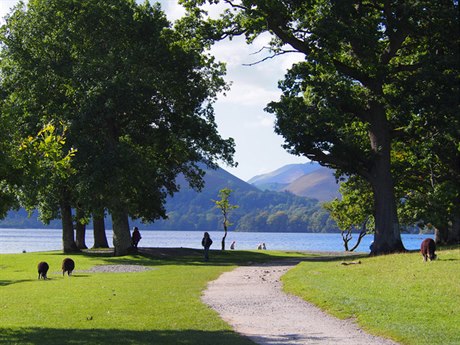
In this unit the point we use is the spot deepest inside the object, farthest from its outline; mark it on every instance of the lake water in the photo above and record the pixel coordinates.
(34, 240)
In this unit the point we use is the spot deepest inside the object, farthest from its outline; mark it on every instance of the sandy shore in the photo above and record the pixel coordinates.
(250, 299)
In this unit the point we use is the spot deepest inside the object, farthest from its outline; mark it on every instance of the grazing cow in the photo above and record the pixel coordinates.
(43, 268)
(68, 266)
(428, 249)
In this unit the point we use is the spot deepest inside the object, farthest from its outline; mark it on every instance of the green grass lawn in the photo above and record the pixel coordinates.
(159, 306)
(396, 296)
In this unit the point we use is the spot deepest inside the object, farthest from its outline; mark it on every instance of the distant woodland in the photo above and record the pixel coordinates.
(259, 211)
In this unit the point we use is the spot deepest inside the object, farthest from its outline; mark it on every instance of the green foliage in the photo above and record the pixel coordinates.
(192, 210)
(45, 166)
(257, 211)
(396, 296)
(372, 71)
(45, 155)
(355, 207)
(225, 207)
(136, 97)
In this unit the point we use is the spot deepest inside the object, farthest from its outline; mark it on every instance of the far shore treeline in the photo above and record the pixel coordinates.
(259, 211)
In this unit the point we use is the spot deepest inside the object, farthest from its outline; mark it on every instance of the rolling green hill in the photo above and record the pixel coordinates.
(263, 211)
(258, 210)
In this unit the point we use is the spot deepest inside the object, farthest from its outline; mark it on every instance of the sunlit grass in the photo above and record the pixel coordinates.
(397, 296)
(158, 306)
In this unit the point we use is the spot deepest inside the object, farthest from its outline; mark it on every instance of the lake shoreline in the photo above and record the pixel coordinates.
(37, 240)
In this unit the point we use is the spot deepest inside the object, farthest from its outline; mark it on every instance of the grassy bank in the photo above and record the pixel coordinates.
(158, 306)
(396, 296)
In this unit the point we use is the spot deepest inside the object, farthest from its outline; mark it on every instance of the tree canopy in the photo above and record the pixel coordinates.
(352, 98)
(135, 96)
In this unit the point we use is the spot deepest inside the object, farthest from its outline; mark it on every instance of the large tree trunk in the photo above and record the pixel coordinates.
(80, 229)
(387, 238)
(68, 239)
(121, 234)
(441, 233)
(453, 236)
(100, 237)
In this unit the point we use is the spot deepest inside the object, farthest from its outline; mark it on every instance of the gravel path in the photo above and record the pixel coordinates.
(116, 269)
(250, 299)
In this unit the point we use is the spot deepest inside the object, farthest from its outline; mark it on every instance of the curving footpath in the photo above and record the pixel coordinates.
(251, 300)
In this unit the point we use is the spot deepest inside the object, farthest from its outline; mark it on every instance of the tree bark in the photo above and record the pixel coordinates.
(441, 233)
(225, 236)
(100, 237)
(453, 235)
(387, 238)
(346, 237)
(68, 239)
(80, 229)
(121, 234)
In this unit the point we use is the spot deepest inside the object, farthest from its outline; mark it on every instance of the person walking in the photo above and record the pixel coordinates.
(206, 242)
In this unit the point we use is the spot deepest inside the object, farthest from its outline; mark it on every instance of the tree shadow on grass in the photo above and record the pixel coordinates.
(47, 336)
(14, 281)
(190, 256)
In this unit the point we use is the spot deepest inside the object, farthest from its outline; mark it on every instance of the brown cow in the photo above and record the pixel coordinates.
(428, 249)
(67, 266)
(43, 268)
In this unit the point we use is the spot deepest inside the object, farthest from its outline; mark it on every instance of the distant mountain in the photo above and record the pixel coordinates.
(319, 184)
(284, 175)
(264, 211)
(308, 180)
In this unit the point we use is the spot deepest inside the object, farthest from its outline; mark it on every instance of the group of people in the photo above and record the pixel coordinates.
(206, 242)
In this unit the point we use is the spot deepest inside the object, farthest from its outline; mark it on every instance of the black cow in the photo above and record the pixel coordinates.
(68, 266)
(43, 268)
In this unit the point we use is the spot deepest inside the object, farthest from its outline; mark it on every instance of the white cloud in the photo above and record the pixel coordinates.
(5, 7)
(267, 121)
(172, 9)
(245, 94)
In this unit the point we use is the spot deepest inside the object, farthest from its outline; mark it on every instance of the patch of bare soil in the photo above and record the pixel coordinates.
(251, 300)
(118, 269)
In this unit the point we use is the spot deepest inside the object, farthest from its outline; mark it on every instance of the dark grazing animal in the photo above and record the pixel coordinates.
(428, 249)
(43, 268)
(68, 266)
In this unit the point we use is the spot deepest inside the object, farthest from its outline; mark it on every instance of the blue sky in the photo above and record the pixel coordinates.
(240, 113)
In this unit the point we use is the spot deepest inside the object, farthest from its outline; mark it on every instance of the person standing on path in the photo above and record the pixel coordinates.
(136, 237)
(206, 242)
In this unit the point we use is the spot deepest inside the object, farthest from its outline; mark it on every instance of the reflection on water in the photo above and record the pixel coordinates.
(31, 240)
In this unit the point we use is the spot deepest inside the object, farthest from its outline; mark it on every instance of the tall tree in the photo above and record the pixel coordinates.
(138, 99)
(353, 211)
(225, 207)
(427, 167)
(338, 104)
(9, 175)
(45, 167)
(100, 237)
